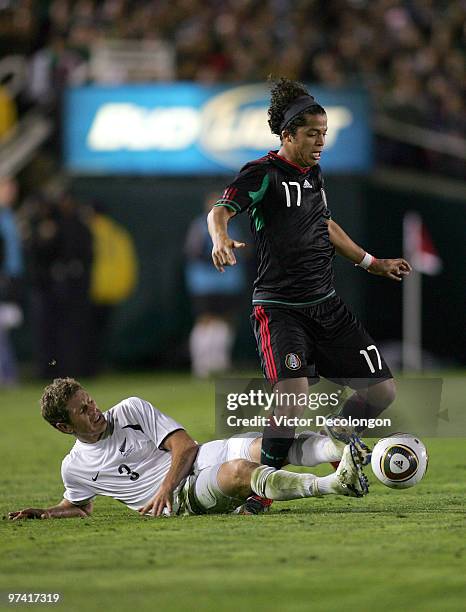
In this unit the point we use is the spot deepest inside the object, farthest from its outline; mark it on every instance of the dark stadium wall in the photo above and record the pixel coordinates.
(152, 327)
(443, 295)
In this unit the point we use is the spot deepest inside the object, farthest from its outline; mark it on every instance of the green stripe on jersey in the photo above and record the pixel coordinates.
(295, 304)
(228, 204)
(257, 196)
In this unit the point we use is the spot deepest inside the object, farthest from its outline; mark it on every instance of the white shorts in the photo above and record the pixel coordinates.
(200, 493)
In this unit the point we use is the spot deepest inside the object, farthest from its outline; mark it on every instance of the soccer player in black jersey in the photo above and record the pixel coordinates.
(302, 328)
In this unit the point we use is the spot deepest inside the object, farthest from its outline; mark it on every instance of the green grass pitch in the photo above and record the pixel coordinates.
(391, 551)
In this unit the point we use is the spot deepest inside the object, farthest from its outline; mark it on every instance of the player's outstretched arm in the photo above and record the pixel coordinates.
(64, 509)
(223, 245)
(391, 268)
(184, 451)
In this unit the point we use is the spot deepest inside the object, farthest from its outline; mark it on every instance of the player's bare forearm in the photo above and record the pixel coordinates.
(343, 244)
(64, 509)
(390, 268)
(223, 245)
(184, 451)
(217, 222)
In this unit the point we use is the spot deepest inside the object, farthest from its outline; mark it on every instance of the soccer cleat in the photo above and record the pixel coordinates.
(350, 479)
(254, 505)
(341, 435)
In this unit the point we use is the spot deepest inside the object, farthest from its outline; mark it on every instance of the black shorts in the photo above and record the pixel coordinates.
(321, 340)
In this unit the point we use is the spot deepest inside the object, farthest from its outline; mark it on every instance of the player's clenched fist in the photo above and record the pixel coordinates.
(223, 252)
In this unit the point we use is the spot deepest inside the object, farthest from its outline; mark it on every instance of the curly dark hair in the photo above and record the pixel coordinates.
(55, 399)
(283, 92)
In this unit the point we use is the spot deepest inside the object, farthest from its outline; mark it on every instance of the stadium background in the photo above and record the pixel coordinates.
(413, 159)
(405, 57)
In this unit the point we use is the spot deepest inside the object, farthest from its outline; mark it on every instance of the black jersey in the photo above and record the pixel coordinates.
(288, 212)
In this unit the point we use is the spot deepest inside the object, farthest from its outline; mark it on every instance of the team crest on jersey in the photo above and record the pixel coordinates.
(125, 451)
(292, 361)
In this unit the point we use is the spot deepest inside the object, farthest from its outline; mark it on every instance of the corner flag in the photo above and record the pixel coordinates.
(419, 250)
(418, 246)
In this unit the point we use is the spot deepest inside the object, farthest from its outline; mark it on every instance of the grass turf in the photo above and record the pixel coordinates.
(394, 550)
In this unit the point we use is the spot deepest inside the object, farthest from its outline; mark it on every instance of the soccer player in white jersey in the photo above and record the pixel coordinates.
(145, 459)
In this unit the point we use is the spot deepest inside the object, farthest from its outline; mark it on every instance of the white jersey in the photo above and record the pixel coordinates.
(128, 464)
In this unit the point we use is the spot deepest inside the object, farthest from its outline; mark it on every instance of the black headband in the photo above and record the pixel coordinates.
(295, 108)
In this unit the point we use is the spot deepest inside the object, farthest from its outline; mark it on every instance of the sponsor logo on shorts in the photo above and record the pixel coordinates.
(292, 361)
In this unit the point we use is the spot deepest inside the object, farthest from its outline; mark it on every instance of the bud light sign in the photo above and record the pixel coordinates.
(186, 128)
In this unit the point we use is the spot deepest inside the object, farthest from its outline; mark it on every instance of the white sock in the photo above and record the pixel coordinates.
(310, 448)
(281, 485)
(326, 484)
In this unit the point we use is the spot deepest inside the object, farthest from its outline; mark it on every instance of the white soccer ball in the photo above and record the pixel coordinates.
(400, 461)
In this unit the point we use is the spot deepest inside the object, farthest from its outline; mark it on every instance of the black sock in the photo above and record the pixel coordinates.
(355, 406)
(276, 442)
(359, 408)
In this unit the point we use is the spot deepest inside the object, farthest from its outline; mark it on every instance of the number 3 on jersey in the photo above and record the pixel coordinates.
(365, 352)
(288, 192)
(124, 468)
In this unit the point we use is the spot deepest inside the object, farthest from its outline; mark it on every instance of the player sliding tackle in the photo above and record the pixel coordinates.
(145, 459)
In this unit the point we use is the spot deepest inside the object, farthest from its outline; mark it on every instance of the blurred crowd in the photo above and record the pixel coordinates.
(11, 272)
(65, 264)
(58, 247)
(409, 54)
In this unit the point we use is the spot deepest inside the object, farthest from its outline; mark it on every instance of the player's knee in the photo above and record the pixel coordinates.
(383, 394)
(240, 473)
(241, 470)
